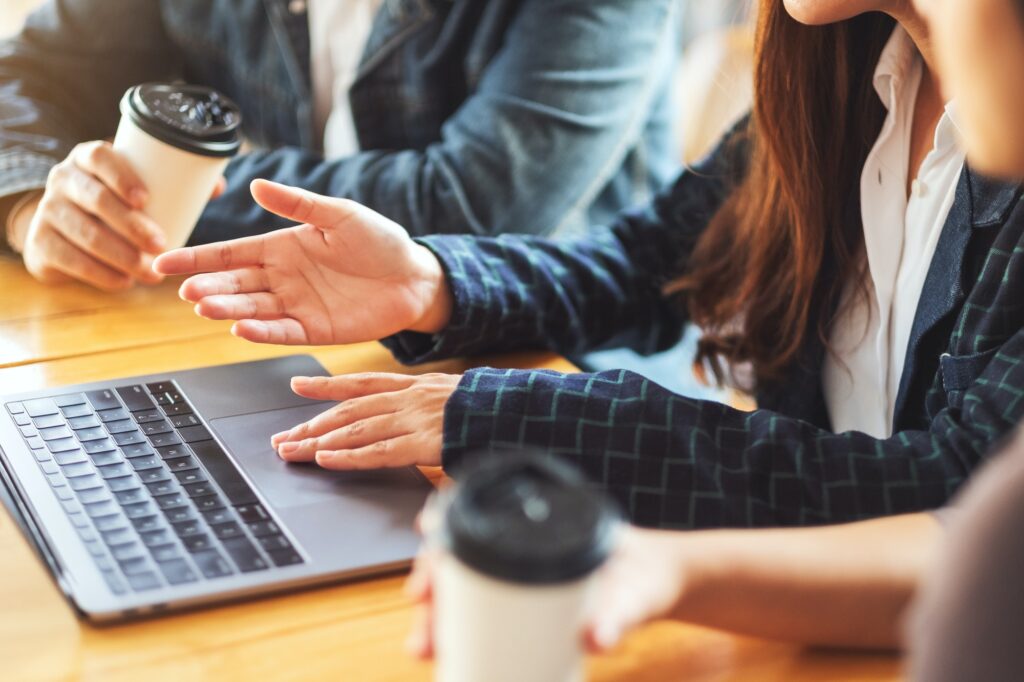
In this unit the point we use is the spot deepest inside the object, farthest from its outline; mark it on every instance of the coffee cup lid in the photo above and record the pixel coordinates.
(527, 518)
(193, 118)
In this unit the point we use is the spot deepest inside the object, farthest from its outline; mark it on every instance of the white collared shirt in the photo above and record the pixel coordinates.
(338, 32)
(869, 340)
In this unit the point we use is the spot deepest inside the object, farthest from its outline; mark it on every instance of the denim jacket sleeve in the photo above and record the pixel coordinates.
(53, 96)
(546, 128)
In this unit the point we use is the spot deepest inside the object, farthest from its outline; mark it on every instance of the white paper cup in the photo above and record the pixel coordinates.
(519, 544)
(179, 148)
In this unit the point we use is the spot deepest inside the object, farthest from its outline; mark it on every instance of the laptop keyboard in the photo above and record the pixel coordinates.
(154, 498)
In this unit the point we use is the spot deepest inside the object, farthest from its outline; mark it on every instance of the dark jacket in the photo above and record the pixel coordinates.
(680, 463)
(480, 117)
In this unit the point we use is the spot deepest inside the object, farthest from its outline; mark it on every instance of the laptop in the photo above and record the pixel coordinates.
(158, 493)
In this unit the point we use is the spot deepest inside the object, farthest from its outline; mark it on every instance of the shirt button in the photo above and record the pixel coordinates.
(297, 6)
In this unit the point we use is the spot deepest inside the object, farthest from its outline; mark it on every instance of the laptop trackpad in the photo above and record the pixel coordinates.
(285, 485)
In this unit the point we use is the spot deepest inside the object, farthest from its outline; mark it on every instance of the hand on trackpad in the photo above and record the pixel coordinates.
(247, 438)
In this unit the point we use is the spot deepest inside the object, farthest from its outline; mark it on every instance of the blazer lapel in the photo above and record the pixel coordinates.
(979, 203)
(292, 33)
(396, 21)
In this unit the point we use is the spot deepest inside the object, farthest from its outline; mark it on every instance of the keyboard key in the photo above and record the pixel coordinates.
(84, 422)
(115, 582)
(101, 509)
(68, 400)
(180, 408)
(137, 450)
(122, 484)
(42, 455)
(261, 528)
(49, 467)
(132, 496)
(172, 451)
(218, 516)
(23, 419)
(48, 421)
(86, 482)
(35, 442)
(162, 439)
(179, 514)
(148, 416)
(228, 530)
(168, 398)
(162, 487)
(142, 463)
(37, 408)
(28, 431)
(244, 554)
(157, 538)
(63, 493)
(194, 434)
(103, 399)
(187, 528)
(251, 513)
(15, 408)
(147, 523)
(128, 551)
(93, 495)
(116, 414)
(135, 398)
(102, 445)
(195, 543)
(102, 459)
(166, 553)
(112, 522)
(154, 427)
(137, 511)
(55, 432)
(129, 438)
(183, 420)
(72, 411)
(78, 469)
(285, 557)
(135, 565)
(121, 536)
(212, 564)
(158, 387)
(87, 534)
(144, 581)
(115, 470)
(105, 564)
(121, 426)
(224, 472)
(94, 433)
(209, 502)
(69, 457)
(199, 489)
(95, 548)
(190, 476)
(182, 463)
(171, 501)
(178, 572)
(154, 475)
(272, 542)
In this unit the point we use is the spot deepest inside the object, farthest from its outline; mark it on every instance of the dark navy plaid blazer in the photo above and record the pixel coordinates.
(675, 462)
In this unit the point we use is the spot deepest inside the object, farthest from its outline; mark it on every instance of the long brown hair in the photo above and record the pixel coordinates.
(773, 261)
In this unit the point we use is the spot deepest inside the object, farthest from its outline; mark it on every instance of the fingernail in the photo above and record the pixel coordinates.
(288, 448)
(301, 381)
(277, 437)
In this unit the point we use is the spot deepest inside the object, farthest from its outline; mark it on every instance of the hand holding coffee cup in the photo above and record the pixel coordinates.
(101, 218)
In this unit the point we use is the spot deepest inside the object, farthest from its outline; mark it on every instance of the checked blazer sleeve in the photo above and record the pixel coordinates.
(674, 462)
(518, 292)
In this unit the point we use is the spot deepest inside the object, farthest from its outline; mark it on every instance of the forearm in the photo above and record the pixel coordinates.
(845, 585)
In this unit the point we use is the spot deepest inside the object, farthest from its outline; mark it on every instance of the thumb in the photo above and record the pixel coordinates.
(300, 205)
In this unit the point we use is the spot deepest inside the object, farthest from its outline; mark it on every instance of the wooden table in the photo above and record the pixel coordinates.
(70, 334)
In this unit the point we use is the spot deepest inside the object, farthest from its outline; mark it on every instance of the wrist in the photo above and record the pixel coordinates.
(19, 218)
(434, 290)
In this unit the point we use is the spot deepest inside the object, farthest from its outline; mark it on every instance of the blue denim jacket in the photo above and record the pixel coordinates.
(538, 116)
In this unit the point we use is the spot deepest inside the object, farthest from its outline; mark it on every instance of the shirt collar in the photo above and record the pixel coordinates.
(895, 65)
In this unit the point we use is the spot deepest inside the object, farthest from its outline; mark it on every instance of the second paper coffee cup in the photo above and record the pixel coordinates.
(179, 139)
(520, 540)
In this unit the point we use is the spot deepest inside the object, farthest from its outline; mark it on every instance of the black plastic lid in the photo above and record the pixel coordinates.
(529, 519)
(193, 118)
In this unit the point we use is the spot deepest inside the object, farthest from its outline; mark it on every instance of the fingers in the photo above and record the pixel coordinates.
(356, 435)
(93, 238)
(53, 253)
(284, 332)
(395, 452)
(339, 416)
(350, 386)
(89, 193)
(420, 642)
(100, 159)
(259, 306)
(230, 255)
(301, 206)
(244, 281)
(219, 189)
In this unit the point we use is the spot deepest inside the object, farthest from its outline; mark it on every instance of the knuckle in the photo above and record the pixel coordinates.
(355, 428)
(226, 255)
(382, 447)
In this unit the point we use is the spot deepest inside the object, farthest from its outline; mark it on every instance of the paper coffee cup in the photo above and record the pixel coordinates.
(179, 139)
(520, 540)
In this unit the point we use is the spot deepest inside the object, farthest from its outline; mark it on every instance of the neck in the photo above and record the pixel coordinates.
(915, 26)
